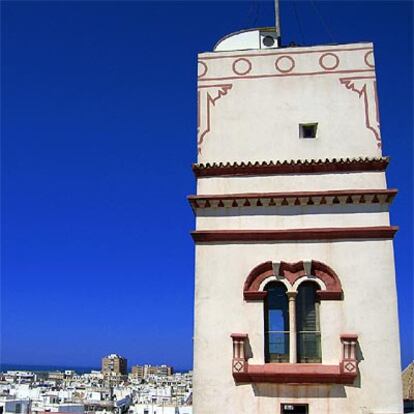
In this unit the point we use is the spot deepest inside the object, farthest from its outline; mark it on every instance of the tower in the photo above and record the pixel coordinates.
(114, 365)
(295, 296)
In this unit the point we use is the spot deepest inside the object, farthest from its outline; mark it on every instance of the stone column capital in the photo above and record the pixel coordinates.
(291, 295)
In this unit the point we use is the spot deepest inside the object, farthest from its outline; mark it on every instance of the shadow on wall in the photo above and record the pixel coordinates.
(248, 350)
(299, 391)
(293, 210)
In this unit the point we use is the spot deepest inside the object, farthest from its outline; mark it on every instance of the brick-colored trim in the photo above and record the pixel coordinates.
(291, 272)
(313, 166)
(294, 198)
(294, 374)
(254, 295)
(239, 336)
(261, 271)
(349, 337)
(328, 233)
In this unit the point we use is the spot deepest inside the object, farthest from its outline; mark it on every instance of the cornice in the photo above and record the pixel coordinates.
(321, 165)
(291, 199)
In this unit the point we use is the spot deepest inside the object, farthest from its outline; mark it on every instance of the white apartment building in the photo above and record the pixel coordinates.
(10, 405)
(160, 409)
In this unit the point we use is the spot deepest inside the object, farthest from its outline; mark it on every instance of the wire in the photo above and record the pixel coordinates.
(322, 20)
(298, 21)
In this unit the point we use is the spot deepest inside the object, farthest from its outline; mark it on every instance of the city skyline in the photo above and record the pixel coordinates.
(96, 252)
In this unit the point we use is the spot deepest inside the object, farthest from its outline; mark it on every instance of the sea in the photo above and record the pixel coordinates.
(45, 368)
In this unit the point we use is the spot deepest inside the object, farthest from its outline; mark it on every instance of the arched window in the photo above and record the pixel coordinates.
(276, 318)
(307, 324)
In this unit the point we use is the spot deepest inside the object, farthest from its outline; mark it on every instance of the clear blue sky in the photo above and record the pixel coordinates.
(96, 255)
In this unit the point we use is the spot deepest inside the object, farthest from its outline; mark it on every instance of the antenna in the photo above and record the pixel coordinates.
(277, 19)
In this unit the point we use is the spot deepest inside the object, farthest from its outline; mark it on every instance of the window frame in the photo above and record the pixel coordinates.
(301, 332)
(293, 332)
(285, 332)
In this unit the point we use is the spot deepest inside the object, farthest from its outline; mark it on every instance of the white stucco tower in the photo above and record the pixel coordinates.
(295, 296)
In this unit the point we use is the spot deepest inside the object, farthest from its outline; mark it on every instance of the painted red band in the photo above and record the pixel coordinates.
(291, 52)
(333, 233)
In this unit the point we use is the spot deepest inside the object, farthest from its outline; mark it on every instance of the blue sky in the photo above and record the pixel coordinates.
(96, 255)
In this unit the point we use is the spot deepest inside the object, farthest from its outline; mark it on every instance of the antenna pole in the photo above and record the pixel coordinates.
(277, 18)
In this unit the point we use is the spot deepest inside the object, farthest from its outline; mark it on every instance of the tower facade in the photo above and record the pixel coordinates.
(295, 296)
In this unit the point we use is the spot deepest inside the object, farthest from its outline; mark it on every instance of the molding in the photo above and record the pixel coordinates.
(263, 269)
(295, 198)
(239, 336)
(294, 373)
(276, 52)
(346, 336)
(291, 273)
(324, 233)
(254, 296)
(313, 166)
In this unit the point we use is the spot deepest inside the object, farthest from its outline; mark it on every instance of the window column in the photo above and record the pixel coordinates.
(292, 326)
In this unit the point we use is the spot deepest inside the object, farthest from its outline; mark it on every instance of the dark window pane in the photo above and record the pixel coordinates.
(276, 323)
(307, 319)
(308, 130)
(294, 408)
(305, 307)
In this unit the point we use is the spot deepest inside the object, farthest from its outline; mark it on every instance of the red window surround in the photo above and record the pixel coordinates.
(292, 272)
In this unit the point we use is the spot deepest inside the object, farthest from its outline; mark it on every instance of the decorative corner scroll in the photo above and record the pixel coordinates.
(366, 87)
(207, 96)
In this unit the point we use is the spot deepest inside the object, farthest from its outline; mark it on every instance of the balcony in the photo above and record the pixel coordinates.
(295, 373)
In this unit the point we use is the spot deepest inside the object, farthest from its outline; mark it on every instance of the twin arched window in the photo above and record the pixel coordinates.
(292, 330)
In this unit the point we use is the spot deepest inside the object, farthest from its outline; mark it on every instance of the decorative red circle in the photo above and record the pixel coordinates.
(367, 55)
(204, 71)
(284, 57)
(328, 67)
(242, 72)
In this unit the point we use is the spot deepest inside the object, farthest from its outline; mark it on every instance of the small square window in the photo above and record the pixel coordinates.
(308, 130)
(294, 409)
